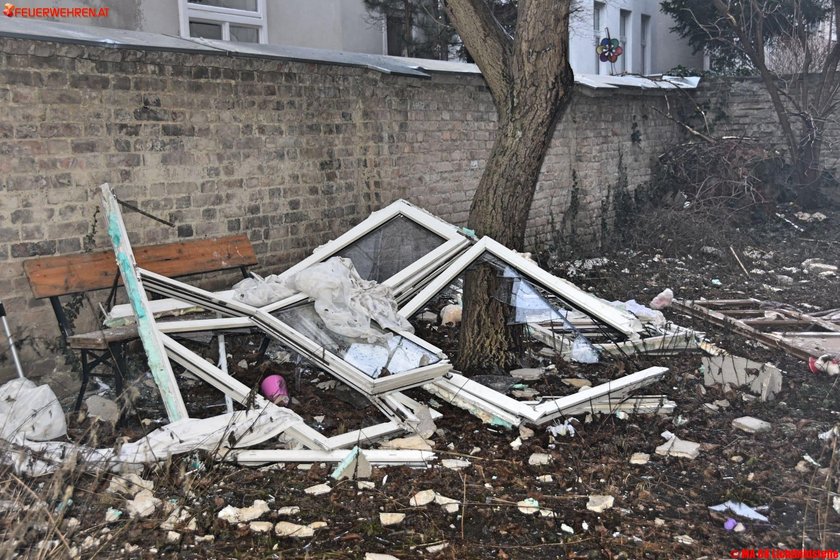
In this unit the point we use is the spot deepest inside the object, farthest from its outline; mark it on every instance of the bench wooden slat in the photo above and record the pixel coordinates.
(71, 274)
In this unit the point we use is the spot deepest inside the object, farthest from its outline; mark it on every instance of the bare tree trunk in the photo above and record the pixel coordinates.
(531, 82)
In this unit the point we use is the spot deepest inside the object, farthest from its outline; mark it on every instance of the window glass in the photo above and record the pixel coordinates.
(249, 5)
(205, 30)
(243, 34)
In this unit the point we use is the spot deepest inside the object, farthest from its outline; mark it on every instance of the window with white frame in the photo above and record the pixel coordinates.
(624, 25)
(598, 9)
(645, 44)
(242, 21)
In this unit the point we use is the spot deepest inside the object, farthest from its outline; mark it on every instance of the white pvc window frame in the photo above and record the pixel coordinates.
(225, 17)
(563, 289)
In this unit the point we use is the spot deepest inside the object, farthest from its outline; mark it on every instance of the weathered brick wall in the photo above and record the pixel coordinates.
(290, 153)
(742, 107)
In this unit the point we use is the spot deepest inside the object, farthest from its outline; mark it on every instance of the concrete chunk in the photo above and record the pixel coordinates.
(751, 425)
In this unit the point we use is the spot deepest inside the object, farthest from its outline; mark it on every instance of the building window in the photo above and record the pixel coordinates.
(645, 45)
(625, 63)
(597, 18)
(242, 21)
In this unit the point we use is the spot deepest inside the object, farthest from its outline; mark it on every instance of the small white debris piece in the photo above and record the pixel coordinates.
(527, 393)
(830, 434)
(528, 506)
(561, 430)
(129, 485)
(817, 266)
(261, 526)
(422, 498)
(659, 522)
(326, 386)
(802, 467)
(242, 364)
(318, 489)
(751, 425)
(434, 549)
(764, 380)
(365, 485)
(547, 513)
(566, 529)
(235, 515)
(455, 464)
(318, 524)
(449, 505)
(639, 458)
(599, 503)
(205, 539)
(411, 442)
(545, 478)
(525, 433)
(173, 537)
(806, 217)
(143, 504)
(178, 516)
(387, 519)
(684, 539)
(112, 515)
(450, 315)
(320, 418)
(811, 460)
(286, 529)
(740, 509)
(377, 556)
(676, 447)
(739, 527)
(538, 459)
(585, 526)
(835, 503)
(355, 465)
(102, 409)
(289, 510)
(516, 444)
(528, 374)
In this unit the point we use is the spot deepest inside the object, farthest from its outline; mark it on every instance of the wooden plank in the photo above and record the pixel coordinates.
(772, 340)
(70, 274)
(827, 325)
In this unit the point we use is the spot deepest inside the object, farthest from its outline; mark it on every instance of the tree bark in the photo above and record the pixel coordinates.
(531, 82)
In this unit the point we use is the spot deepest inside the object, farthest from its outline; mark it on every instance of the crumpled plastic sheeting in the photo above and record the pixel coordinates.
(238, 429)
(643, 313)
(346, 302)
(262, 291)
(30, 411)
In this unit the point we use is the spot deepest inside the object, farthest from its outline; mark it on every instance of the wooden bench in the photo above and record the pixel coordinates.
(68, 275)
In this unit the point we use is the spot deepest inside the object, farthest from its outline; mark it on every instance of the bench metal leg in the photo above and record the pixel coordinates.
(85, 379)
(118, 357)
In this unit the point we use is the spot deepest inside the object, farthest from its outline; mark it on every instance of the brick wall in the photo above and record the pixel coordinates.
(290, 153)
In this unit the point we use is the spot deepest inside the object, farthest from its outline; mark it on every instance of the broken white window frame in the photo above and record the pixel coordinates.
(673, 340)
(403, 284)
(399, 408)
(454, 387)
(624, 323)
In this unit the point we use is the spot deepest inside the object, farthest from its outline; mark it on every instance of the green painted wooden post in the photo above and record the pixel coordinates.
(152, 344)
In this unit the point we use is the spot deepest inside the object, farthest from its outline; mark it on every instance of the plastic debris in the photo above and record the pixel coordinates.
(740, 509)
(729, 524)
(764, 380)
(259, 291)
(274, 389)
(583, 352)
(564, 429)
(450, 315)
(662, 300)
(29, 411)
(143, 504)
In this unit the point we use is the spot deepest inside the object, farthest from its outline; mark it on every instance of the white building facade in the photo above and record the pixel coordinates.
(345, 25)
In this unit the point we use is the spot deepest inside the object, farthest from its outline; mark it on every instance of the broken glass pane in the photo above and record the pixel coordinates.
(390, 248)
(394, 354)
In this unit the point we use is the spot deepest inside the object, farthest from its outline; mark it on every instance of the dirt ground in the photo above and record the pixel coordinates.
(661, 508)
